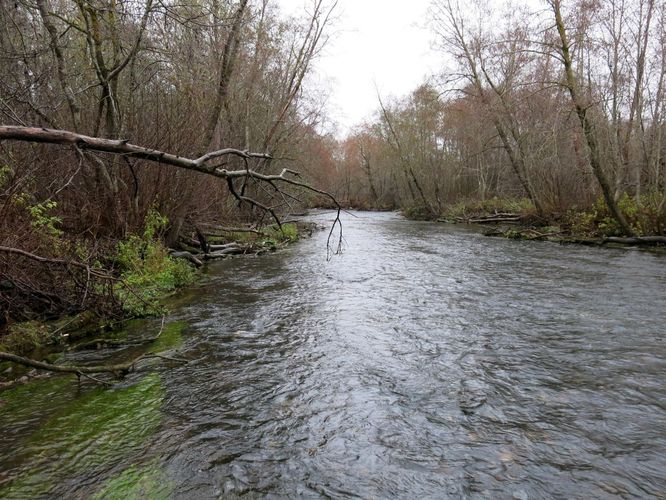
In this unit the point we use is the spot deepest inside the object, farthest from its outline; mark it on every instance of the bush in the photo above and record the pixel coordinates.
(148, 272)
(645, 217)
(419, 212)
(494, 205)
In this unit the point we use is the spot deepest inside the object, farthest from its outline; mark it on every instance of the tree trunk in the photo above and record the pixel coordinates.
(586, 123)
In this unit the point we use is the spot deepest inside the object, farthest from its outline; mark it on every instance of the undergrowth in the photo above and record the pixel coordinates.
(148, 273)
(471, 208)
(646, 216)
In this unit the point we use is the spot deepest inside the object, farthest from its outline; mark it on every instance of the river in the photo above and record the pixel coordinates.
(427, 361)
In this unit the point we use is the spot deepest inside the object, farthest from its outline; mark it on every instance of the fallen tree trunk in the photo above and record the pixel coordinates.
(117, 369)
(496, 220)
(211, 230)
(228, 246)
(186, 256)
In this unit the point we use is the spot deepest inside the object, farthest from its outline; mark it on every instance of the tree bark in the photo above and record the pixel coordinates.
(586, 123)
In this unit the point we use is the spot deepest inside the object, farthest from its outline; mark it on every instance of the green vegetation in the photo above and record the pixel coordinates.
(645, 216)
(137, 483)
(419, 212)
(148, 273)
(147, 276)
(42, 218)
(117, 423)
(273, 235)
(466, 209)
(25, 337)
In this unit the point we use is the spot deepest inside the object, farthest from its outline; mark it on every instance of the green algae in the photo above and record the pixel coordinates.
(91, 432)
(170, 338)
(137, 482)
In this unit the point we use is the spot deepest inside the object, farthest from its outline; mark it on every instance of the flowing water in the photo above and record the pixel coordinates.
(427, 362)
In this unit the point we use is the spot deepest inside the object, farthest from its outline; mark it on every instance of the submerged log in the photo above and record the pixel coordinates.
(116, 369)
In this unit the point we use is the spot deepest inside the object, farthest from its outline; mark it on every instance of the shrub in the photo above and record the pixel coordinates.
(419, 212)
(645, 216)
(148, 272)
(464, 209)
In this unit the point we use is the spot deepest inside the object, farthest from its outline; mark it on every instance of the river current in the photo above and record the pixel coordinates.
(427, 361)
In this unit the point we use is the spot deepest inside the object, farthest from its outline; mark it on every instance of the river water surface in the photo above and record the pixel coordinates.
(427, 361)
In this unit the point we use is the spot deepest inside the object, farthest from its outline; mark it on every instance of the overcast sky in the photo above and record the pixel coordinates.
(375, 41)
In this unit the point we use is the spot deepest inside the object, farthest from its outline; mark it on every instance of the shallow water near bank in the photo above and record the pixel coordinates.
(427, 361)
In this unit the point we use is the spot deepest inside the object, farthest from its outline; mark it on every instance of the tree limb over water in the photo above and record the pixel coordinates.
(204, 164)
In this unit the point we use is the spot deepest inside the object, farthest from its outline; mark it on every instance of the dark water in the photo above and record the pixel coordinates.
(426, 362)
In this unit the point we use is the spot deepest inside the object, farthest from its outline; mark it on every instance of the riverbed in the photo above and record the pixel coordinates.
(427, 361)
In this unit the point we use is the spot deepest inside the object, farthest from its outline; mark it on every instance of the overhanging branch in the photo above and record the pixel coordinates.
(201, 164)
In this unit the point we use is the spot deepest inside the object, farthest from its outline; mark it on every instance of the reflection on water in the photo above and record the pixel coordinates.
(427, 361)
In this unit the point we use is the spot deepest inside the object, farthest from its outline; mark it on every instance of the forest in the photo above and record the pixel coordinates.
(104, 102)
(559, 108)
(134, 129)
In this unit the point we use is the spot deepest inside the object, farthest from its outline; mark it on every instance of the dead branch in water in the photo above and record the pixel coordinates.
(118, 370)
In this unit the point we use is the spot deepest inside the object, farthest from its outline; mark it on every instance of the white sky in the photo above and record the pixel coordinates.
(382, 42)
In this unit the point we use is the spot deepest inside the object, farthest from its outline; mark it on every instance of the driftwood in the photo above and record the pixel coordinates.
(117, 369)
(221, 254)
(532, 234)
(234, 230)
(214, 252)
(227, 246)
(497, 218)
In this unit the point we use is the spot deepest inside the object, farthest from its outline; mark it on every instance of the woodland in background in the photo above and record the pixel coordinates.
(560, 111)
(182, 77)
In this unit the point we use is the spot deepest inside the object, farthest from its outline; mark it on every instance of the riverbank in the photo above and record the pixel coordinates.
(518, 219)
(522, 361)
(144, 292)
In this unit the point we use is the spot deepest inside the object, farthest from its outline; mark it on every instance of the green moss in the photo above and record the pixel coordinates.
(86, 435)
(136, 483)
(25, 337)
(21, 401)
